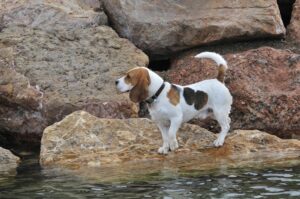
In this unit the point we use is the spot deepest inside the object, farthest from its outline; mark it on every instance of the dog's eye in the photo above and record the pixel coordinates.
(128, 77)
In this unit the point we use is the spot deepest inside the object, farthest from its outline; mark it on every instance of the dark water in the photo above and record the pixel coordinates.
(31, 181)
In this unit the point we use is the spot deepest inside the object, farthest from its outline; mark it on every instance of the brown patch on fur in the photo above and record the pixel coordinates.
(221, 73)
(198, 98)
(173, 95)
(140, 80)
(188, 95)
(201, 99)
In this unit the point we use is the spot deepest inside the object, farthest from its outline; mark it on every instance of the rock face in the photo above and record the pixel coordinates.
(264, 82)
(52, 65)
(163, 27)
(96, 146)
(294, 27)
(8, 161)
(51, 14)
(20, 106)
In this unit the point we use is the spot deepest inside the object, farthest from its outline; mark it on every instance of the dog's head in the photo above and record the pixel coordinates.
(136, 81)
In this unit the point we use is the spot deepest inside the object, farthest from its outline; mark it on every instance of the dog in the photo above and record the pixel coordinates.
(170, 104)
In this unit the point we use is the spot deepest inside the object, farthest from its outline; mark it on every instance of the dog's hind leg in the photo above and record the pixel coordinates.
(224, 121)
(205, 113)
(202, 115)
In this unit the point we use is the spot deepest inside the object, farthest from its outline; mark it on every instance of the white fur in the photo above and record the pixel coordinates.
(169, 117)
(214, 56)
(122, 86)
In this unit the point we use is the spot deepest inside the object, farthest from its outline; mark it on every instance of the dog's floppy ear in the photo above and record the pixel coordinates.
(139, 92)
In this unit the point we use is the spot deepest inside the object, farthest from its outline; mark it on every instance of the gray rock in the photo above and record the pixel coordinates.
(161, 27)
(8, 161)
(46, 75)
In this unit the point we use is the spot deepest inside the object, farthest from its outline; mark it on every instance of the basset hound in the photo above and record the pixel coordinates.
(170, 104)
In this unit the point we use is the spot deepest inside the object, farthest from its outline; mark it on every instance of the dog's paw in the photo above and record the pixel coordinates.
(219, 142)
(173, 145)
(163, 150)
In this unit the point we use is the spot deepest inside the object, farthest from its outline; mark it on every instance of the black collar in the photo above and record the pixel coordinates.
(155, 96)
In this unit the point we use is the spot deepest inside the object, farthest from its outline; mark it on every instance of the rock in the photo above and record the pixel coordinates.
(55, 59)
(8, 161)
(20, 106)
(285, 7)
(51, 15)
(104, 149)
(47, 75)
(264, 82)
(96, 5)
(161, 28)
(294, 27)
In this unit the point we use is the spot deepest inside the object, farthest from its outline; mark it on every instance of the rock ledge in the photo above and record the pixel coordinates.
(82, 141)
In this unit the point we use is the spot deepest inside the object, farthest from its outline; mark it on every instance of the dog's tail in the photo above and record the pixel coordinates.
(219, 60)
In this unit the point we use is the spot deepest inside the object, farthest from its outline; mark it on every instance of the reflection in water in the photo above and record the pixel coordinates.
(33, 182)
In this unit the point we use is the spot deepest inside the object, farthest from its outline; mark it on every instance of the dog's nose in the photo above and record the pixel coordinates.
(116, 82)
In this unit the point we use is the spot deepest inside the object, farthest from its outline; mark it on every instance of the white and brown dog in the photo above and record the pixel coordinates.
(170, 105)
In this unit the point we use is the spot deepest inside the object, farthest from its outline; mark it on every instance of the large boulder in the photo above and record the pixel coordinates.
(294, 27)
(47, 75)
(112, 148)
(8, 161)
(264, 82)
(54, 59)
(163, 27)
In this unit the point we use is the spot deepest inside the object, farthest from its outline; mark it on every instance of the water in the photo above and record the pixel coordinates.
(31, 181)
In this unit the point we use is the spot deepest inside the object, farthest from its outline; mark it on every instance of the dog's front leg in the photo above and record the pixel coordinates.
(175, 125)
(164, 149)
